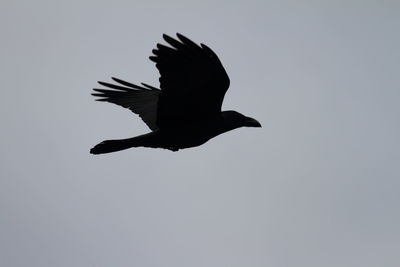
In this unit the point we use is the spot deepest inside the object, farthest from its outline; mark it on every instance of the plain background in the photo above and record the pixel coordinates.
(318, 185)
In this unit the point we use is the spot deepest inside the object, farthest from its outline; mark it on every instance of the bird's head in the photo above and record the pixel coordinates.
(236, 119)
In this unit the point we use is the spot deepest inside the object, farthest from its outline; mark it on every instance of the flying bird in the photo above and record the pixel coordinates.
(186, 110)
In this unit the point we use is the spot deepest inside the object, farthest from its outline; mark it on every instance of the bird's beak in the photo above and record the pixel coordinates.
(250, 122)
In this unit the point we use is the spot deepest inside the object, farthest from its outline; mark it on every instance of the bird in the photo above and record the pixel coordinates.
(186, 110)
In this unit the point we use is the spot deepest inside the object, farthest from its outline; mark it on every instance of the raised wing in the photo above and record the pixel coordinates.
(193, 82)
(142, 100)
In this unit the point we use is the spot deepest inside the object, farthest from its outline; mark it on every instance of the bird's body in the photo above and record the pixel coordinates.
(186, 112)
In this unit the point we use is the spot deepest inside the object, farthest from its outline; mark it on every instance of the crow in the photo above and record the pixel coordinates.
(186, 111)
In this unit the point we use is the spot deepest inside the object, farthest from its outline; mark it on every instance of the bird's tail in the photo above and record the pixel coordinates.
(108, 146)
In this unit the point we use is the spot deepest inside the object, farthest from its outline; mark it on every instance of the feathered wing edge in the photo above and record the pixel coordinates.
(142, 100)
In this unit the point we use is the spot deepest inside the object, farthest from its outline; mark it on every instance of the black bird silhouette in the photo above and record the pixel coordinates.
(186, 112)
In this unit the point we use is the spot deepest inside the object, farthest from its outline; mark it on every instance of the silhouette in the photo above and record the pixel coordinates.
(186, 111)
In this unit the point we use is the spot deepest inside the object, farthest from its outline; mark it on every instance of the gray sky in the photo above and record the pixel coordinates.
(318, 185)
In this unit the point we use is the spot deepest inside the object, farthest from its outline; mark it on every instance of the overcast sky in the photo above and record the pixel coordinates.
(317, 186)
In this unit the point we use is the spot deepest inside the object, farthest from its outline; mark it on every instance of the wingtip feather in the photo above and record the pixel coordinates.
(153, 58)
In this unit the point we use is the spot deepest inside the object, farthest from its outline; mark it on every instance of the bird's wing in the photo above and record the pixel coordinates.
(142, 100)
(193, 82)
